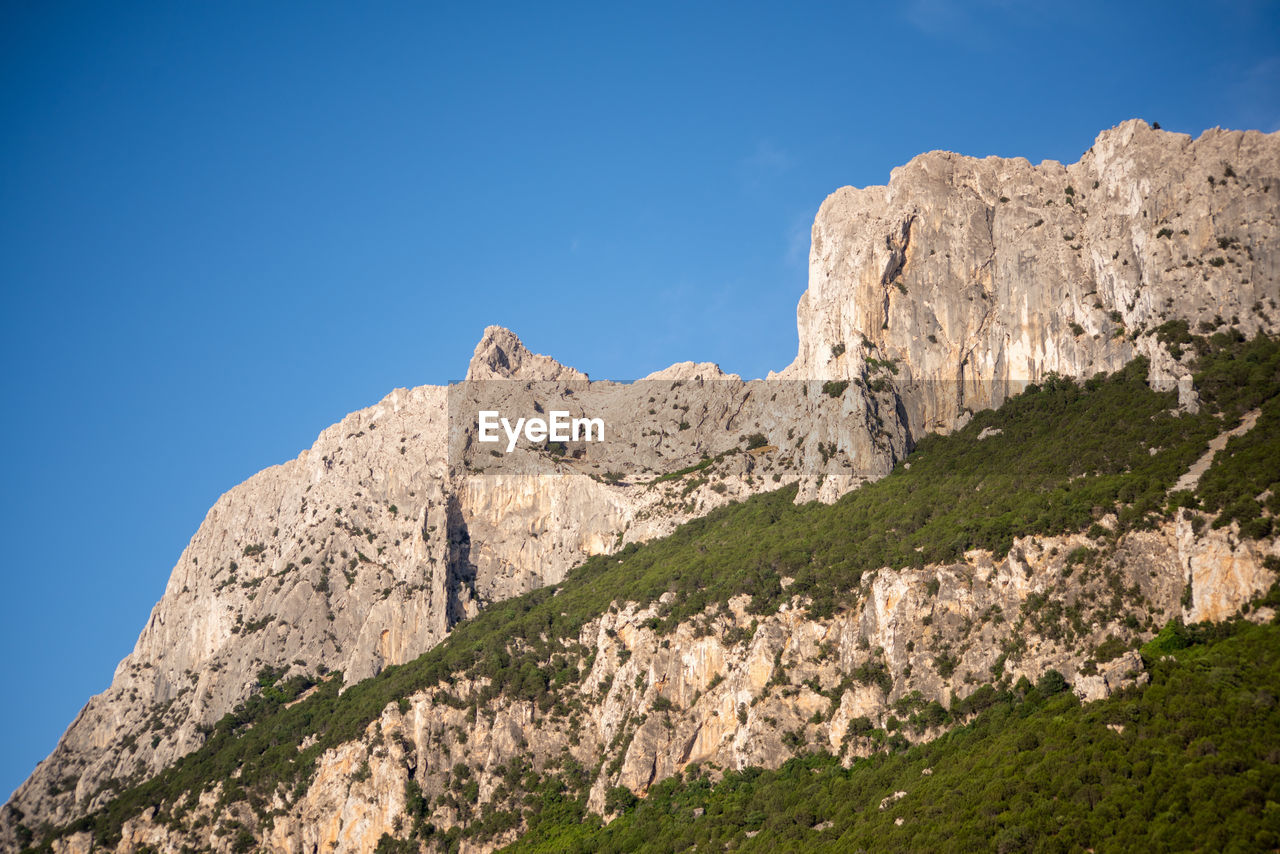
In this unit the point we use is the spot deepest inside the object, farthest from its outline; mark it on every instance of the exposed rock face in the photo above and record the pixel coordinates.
(727, 690)
(274, 577)
(935, 296)
(368, 547)
(977, 276)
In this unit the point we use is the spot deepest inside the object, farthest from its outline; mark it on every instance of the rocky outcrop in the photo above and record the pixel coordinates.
(975, 277)
(727, 690)
(395, 524)
(930, 298)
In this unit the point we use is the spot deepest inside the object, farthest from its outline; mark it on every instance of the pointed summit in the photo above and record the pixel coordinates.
(501, 355)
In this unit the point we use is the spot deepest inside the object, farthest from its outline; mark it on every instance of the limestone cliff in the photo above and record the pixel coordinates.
(933, 297)
(976, 276)
(368, 547)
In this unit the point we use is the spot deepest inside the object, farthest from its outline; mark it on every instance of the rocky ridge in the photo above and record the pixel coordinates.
(976, 276)
(932, 297)
(368, 547)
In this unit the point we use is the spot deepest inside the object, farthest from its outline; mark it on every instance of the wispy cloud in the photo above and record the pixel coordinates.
(936, 17)
(768, 158)
(766, 162)
(1257, 96)
(972, 22)
(799, 236)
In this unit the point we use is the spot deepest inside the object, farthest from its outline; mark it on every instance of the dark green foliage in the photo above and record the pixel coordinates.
(874, 672)
(261, 755)
(1247, 467)
(945, 663)
(1109, 649)
(1196, 767)
(662, 704)
(1235, 377)
(390, 845)
(704, 463)
(1175, 335)
(834, 388)
(1079, 555)
(619, 799)
(1052, 682)
(243, 841)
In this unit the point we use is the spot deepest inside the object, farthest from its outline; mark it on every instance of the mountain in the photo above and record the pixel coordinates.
(960, 284)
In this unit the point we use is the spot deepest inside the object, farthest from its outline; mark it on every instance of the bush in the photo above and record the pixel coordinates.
(834, 388)
(619, 799)
(1052, 682)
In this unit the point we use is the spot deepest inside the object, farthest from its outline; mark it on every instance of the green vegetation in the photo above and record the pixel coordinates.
(1237, 376)
(1247, 468)
(259, 754)
(834, 388)
(1066, 454)
(704, 463)
(1194, 766)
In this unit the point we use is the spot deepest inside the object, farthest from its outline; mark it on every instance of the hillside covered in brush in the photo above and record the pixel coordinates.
(775, 673)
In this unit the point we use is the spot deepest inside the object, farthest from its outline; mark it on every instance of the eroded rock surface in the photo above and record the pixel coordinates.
(937, 295)
(728, 690)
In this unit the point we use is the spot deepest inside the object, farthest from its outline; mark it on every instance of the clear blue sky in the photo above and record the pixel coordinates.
(225, 225)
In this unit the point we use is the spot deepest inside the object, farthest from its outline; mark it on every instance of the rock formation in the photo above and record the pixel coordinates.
(726, 690)
(977, 276)
(933, 297)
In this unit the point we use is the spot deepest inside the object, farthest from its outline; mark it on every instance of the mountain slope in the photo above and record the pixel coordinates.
(1187, 762)
(932, 298)
(713, 647)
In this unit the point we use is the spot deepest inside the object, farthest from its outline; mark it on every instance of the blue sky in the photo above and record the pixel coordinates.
(225, 225)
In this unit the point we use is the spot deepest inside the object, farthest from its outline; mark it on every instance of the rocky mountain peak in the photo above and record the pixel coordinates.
(975, 276)
(501, 355)
(929, 299)
(692, 371)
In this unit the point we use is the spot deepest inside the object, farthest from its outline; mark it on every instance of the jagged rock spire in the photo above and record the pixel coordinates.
(501, 355)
